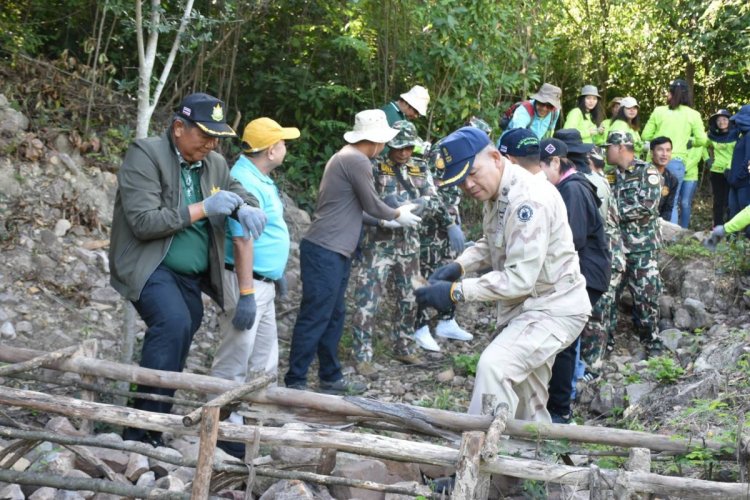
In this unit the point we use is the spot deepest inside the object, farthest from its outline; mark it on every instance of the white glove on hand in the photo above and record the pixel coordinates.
(391, 224)
(406, 218)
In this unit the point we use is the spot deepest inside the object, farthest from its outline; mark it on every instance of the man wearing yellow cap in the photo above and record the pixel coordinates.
(253, 349)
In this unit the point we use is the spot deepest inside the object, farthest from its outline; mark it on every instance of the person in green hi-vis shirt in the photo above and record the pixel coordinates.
(588, 114)
(628, 119)
(722, 136)
(684, 127)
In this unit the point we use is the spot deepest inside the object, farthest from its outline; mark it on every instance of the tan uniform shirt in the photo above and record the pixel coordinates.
(529, 245)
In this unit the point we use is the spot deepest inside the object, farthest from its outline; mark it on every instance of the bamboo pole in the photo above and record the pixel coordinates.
(230, 396)
(208, 432)
(335, 404)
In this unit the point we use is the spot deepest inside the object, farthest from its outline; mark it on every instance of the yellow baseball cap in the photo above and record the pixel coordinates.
(263, 133)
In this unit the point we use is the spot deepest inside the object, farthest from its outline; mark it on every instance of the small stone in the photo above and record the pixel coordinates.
(671, 338)
(446, 376)
(62, 426)
(12, 492)
(137, 466)
(8, 331)
(43, 493)
(170, 483)
(636, 392)
(62, 226)
(147, 479)
(682, 319)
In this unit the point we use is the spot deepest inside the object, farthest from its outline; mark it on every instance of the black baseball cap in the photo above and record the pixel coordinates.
(552, 147)
(207, 112)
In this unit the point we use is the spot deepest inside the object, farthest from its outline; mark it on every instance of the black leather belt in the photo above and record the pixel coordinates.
(256, 276)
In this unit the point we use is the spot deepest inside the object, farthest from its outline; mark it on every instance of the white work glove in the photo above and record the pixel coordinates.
(406, 218)
(391, 224)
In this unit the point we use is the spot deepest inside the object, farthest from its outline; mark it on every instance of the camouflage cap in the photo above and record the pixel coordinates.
(618, 138)
(406, 137)
(480, 124)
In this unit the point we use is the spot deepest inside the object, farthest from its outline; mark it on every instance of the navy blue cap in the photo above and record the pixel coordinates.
(457, 152)
(519, 142)
(207, 112)
(552, 147)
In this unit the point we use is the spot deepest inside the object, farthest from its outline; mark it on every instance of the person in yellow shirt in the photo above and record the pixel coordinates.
(722, 136)
(588, 114)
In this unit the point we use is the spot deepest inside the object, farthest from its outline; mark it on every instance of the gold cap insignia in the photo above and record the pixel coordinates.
(217, 114)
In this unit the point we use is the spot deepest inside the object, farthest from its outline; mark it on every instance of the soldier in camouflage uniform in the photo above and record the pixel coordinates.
(637, 194)
(389, 250)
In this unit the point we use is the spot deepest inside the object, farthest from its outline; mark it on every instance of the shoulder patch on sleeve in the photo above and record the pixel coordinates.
(652, 170)
(525, 213)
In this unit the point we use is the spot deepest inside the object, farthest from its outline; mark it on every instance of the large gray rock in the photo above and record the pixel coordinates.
(137, 466)
(636, 392)
(296, 490)
(671, 338)
(697, 309)
(12, 122)
(608, 399)
(682, 319)
(12, 492)
(355, 467)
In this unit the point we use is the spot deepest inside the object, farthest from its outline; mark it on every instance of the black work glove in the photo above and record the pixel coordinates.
(448, 272)
(244, 315)
(437, 295)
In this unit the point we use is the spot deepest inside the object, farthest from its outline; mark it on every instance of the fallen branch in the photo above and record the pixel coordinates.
(230, 396)
(38, 361)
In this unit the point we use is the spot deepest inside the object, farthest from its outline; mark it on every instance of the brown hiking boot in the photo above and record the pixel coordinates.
(408, 359)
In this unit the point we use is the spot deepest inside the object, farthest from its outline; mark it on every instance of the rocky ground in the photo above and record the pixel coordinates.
(55, 211)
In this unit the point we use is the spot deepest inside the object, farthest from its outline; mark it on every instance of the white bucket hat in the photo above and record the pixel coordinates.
(370, 125)
(418, 98)
(629, 102)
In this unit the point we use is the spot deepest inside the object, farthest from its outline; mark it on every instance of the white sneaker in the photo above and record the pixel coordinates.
(424, 340)
(449, 329)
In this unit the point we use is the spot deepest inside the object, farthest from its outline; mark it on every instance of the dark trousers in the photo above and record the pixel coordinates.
(560, 385)
(320, 322)
(739, 198)
(171, 306)
(720, 189)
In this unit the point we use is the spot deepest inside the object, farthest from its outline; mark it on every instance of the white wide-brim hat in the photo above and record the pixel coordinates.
(418, 98)
(370, 125)
(628, 102)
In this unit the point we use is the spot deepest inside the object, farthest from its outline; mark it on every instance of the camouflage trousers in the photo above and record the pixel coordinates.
(602, 323)
(644, 282)
(371, 279)
(434, 251)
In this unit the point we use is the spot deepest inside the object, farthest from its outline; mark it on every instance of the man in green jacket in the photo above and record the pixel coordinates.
(409, 105)
(167, 242)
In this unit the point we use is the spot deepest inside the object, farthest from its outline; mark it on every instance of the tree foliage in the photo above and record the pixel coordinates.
(315, 63)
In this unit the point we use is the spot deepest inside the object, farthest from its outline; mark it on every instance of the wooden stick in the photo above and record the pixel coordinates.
(89, 349)
(469, 483)
(250, 454)
(491, 446)
(327, 462)
(230, 396)
(98, 485)
(209, 432)
(337, 405)
(595, 483)
(42, 359)
(375, 446)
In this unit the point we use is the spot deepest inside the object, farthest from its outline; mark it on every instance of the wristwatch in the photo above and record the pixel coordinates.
(457, 293)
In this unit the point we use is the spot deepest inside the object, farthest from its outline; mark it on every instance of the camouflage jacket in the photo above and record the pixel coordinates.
(401, 241)
(638, 192)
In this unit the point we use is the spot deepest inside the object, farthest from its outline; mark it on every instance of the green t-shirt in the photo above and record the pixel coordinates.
(679, 124)
(722, 156)
(582, 123)
(692, 159)
(188, 252)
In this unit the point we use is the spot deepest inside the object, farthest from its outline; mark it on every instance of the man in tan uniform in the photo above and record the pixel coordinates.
(541, 297)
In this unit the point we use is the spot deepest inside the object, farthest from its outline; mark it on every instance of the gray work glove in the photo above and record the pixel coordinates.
(253, 221)
(716, 235)
(456, 238)
(282, 288)
(221, 203)
(244, 315)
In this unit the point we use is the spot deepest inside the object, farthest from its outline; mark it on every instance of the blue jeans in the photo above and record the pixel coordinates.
(686, 201)
(677, 167)
(171, 306)
(320, 322)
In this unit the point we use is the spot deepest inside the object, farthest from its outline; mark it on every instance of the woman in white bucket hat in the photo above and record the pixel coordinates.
(347, 190)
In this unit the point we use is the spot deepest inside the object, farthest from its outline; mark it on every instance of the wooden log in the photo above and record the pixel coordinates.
(491, 446)
(37, 361)
(230, 396)
(335, 404)
(208, 433)
(638, 460)
(595, 483)
(250, 453)
(375, 446)
(469, 480)
(85, 484)
(89, 349)
(327, 462)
